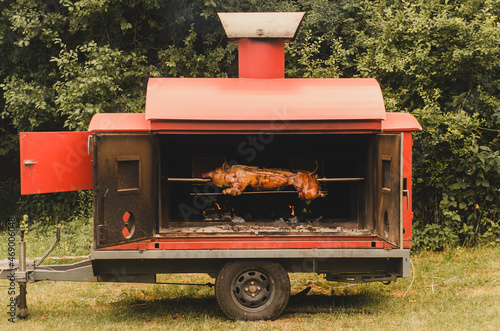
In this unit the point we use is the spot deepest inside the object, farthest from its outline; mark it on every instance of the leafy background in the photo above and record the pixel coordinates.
(63, 61)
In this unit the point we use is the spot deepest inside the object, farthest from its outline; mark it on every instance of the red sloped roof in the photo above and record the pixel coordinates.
(119, 122)
(235, 105)
(240, 99)
(400, 122)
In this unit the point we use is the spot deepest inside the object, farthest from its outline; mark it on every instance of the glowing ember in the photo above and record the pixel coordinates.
(293, 210)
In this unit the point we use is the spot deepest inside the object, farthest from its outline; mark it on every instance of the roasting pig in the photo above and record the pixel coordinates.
(236, 178)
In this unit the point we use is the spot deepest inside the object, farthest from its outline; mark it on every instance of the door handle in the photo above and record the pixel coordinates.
(29, 163)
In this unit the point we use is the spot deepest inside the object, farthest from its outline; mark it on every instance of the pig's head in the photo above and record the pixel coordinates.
(218, 177)
(307, 186)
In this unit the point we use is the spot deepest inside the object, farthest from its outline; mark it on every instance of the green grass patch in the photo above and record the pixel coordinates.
(454, 289)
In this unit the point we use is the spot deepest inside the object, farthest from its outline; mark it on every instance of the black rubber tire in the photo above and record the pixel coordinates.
(252, 289)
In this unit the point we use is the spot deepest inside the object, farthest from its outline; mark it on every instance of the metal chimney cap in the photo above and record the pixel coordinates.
(261, 25)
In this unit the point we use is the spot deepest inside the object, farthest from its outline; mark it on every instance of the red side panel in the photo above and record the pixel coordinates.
(407, 198)
(55, 162)
(253, 243)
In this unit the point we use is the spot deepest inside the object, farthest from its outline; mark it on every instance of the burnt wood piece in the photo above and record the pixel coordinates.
(236, 178)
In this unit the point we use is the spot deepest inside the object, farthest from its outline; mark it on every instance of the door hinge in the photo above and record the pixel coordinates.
(89, 145)
(101, 234)
(406, 194)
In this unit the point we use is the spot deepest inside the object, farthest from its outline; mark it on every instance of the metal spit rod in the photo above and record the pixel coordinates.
(250, 192)
(203, 180)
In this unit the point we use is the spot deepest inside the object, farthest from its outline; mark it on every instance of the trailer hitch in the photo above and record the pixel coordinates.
(22, 275)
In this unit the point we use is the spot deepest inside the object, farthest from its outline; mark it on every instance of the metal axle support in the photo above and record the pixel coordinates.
(58, 237)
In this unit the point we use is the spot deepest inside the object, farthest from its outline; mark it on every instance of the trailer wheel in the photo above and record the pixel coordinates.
(252, 290)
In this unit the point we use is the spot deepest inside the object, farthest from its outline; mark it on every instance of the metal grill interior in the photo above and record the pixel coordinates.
(342, 163)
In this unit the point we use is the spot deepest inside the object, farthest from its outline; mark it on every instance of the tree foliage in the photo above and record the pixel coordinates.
(440, 60)
(65, 60)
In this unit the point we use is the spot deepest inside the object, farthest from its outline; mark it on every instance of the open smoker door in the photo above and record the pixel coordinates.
(124, 174)
(388, 213)
(55, 162)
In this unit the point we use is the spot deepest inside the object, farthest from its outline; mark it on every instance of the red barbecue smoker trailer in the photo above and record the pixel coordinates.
(154, 213)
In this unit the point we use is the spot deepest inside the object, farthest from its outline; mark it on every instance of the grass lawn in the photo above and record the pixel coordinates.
(454, 290)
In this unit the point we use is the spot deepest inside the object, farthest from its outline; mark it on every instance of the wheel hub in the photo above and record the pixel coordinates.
(252, 289)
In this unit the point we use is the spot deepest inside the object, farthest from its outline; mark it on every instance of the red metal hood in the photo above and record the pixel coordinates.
(239, 99)
(237, 105)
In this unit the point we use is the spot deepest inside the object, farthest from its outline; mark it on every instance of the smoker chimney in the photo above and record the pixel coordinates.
(261, 41)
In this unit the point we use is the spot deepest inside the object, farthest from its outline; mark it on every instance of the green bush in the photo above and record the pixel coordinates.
(42, 212)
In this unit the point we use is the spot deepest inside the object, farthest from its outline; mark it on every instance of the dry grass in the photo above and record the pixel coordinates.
(455, 290)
